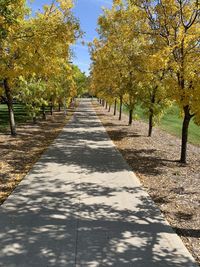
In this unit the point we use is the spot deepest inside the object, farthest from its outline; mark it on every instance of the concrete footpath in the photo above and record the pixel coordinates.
(81, 206)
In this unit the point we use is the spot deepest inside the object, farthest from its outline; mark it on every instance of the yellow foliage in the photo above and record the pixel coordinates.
(149, 50)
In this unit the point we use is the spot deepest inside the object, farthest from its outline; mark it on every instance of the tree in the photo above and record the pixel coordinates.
(81, 81)
(36, 45)
(11, 13)
(151, 49)
(176, 24)
(33, 94)
(114, 58)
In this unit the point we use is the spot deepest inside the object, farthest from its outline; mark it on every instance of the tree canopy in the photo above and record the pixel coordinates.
(147, 53)
(35, 54)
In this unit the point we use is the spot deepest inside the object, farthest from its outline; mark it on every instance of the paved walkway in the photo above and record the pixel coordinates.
(82, 206)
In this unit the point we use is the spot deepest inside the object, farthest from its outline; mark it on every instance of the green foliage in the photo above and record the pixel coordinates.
(33, 95)
(81, 81)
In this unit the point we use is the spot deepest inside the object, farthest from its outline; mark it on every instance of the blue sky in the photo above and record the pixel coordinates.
(87, 11)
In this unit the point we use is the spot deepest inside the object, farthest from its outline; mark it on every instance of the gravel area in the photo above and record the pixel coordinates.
(174, 187)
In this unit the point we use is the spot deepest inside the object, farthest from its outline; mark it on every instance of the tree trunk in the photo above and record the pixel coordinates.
(71, 103)
(100, 101)
(109, 108)
(115, 107)
(51, 109)
(130, 117)
(65, 106)
(120, 109)
(106, 104)
(59, 107)
(151, 111)
(185, 127)
(44, 113)
(34, 120)
(150, 123)
(10, 107)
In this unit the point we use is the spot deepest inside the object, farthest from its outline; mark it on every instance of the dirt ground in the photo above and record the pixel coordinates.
(19, 154)
(174, 187)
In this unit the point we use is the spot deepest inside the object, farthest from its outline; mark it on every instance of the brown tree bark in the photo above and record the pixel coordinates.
(51, 109)
(9, 98)
(150, 123)
(130, 117)
(59, 107)
(43, 113)
(151, 111)
(115, 107)
(185, 127)
(34, 119)
(120, 108)
(106, 104)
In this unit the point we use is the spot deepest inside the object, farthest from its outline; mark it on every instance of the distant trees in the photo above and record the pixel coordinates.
(82, 81)
(148, 53)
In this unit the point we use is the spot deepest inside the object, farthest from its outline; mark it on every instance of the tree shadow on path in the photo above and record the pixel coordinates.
(80, 206)
(43, 230)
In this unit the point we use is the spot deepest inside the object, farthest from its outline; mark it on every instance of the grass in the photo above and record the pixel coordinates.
(21, 115)
(171, 122)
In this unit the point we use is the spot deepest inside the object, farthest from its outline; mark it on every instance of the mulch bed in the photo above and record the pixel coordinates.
(20, 153)
(175, 188)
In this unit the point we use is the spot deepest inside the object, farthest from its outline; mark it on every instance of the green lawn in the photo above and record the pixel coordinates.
(21, 115)
(172, 123)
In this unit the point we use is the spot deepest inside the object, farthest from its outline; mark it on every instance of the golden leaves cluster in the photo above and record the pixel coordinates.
(149, 49)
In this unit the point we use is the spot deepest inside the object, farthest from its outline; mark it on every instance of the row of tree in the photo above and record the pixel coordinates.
(148, 54)
(35, 56)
